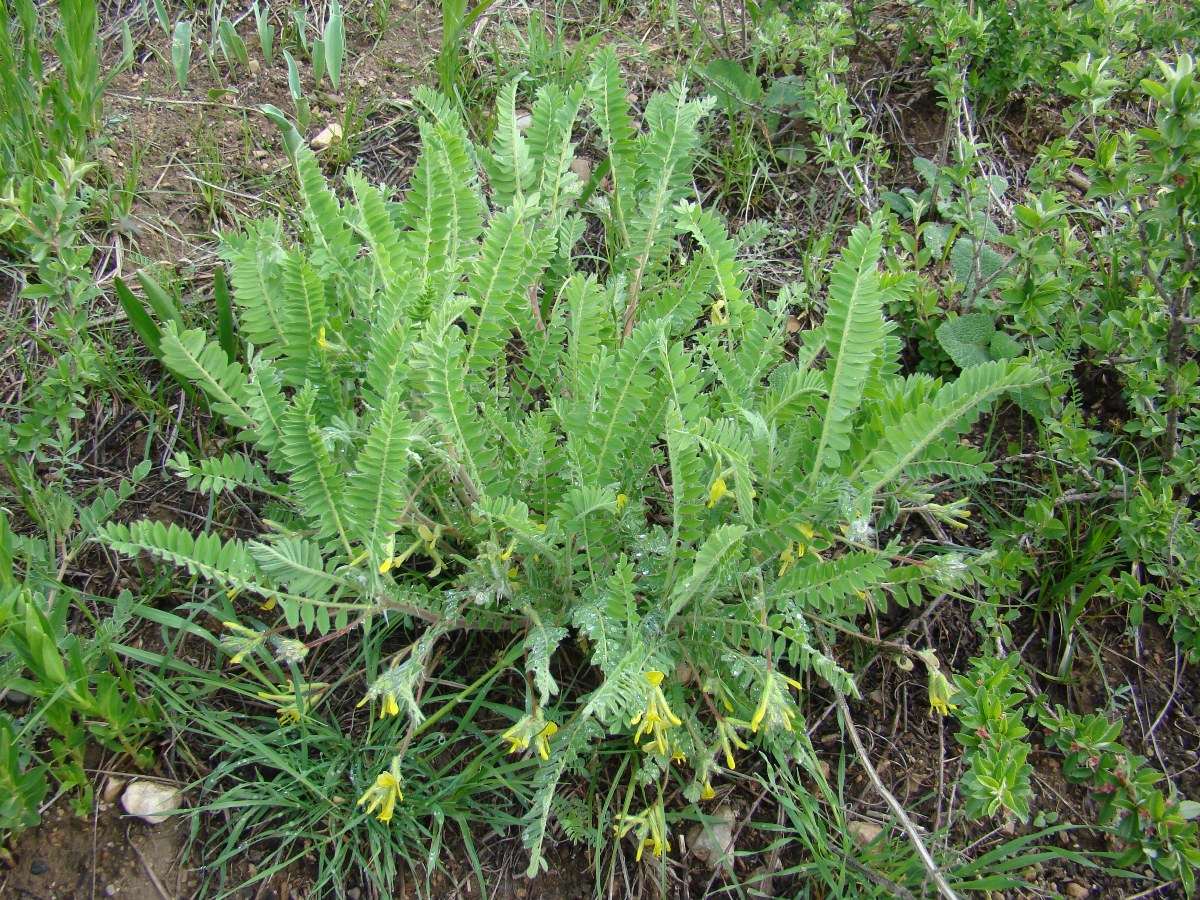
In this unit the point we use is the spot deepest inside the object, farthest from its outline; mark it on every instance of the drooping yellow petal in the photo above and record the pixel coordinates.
(389, 707)
(718, 490)
(543, 740)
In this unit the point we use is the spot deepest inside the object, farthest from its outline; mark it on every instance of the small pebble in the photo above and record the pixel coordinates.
(583, 171)
(39, 867)
(864, 833)
(713, 844)
(113, 787)
(1076, 891)
(110, 890)
(328, 137)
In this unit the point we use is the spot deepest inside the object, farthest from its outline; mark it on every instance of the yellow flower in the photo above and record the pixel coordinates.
(288, 706)
(532, 729)
(622, 499)
(288, 712)
(241, 641)
(940, 694)
(728, 739)
(517, 738)
(718, 490)
(543, 740)
(787, 557)
(657, 717)
(321, 342)
(389, 707)
(941, 689)
(385, 793)
(775, 707)
(649, 829)
(707, 792)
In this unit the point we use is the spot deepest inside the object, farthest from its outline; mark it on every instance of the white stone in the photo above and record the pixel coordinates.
(150, 800)
(864, 833)
(328, 136)
(713, 843)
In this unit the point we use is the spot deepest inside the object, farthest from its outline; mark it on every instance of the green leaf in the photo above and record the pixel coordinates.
(855, 332)
(732, 84)
(975, 263)
(955, 406)
(316, 479)
(509, 168)
(606, 94)
(540, 643)
(451, 406)
(378, 488)
(700, 582)
(967, 339)
(334, 38)
(296, 564)
(225, 335)
(193, 357)
(443, 206)
(160, 301)
(181, 51)
(223, 562)
(145, 326)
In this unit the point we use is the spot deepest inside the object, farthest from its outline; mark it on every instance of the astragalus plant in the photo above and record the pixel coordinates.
(466, 415)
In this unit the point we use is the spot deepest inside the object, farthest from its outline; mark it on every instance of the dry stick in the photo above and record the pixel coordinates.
(150, 873)
(898, 890)
(929, 611)
(1174, 692)
(910, 828)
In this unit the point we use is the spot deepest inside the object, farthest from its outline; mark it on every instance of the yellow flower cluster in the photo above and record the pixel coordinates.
(387, 688)
(532, 729)
(728, 739)
(240, 641)
(775, 707)
(795, 550)
(385, 793)
(718, 490)
(941, 688)
(649, 828)
(292, 705)
(656, 718)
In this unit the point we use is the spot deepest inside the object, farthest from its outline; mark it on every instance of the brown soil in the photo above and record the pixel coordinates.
(104, 855)
(215, 132)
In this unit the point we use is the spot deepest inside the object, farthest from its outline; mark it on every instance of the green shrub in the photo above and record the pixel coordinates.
(77, 691)
(459, 428)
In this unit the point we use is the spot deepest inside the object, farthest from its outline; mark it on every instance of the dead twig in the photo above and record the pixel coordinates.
(906, 822)
(150, 873)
